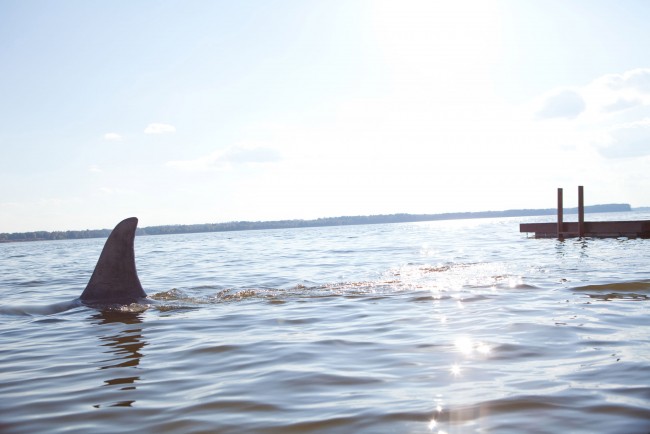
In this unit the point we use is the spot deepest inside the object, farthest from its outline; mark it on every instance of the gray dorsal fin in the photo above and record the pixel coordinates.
(115, 279)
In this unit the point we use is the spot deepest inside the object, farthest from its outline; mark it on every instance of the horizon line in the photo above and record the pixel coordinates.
(323, 221)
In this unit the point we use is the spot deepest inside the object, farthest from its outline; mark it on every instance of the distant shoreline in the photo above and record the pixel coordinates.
(291, 224)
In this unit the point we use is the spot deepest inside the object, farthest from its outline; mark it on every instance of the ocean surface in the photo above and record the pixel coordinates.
(460, 326)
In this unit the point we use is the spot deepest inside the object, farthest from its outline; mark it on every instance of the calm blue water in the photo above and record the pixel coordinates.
(442, 327)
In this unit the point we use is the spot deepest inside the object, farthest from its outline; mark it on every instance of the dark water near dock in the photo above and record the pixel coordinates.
(443, 327)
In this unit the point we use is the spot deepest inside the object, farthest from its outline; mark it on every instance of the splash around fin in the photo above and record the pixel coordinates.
(115, 279)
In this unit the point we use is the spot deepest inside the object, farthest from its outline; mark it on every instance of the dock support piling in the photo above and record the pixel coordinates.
(581, 211)
(560, 213)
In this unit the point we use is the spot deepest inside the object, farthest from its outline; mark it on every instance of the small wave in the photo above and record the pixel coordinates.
(140, 306)
(620, 296)
(466, 281)
(473, 277)
(629, 291)
(472, 280)
(17, 256)
(176, 299)
(242, 294)
(39, 310)
(171, 295)
(521, 414)
(34, 283)
(636, 286)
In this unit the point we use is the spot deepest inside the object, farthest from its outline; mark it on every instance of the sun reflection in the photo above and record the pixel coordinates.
(433, 423)
(483, 348)
(455, 370)
(464, 345)
(467, 346)
(515, 281)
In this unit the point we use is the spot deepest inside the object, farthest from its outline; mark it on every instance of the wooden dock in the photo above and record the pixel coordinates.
(581, 228)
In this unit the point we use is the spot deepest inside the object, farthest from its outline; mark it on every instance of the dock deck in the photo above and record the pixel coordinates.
(581, 228)
(605, 229)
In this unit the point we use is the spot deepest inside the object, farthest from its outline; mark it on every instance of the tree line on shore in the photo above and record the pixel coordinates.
(286, 224)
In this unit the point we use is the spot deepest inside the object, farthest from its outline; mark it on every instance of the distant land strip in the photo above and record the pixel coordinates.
(287, 224)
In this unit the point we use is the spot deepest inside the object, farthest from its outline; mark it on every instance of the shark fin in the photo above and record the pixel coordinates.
(115, 279)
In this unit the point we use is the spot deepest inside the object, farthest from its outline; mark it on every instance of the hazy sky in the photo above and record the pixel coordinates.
(183, 112)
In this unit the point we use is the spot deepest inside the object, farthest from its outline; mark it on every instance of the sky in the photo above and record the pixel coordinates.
(189, 111)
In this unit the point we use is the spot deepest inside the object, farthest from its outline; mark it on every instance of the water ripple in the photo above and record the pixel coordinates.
(420, 328)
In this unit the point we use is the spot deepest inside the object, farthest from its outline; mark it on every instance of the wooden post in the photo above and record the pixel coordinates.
(581, 211)
(560, 213)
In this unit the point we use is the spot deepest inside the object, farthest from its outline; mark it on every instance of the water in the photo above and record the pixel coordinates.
(442, 327)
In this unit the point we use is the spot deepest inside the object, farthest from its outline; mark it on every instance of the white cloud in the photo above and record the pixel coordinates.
(95, 169)
(613, 94)
(232, 156)
(249, 154)
(628, 140)
(564, 104)
(158, 128)
(622, 104)
(636, 79)
(113, 137)
(608, 99)
(115, 191)
(614, 115)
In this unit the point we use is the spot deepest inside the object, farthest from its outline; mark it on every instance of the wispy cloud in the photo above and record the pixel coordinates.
(233, 156)
(564, 104)
(95, 169)
(622, 104)
(636, 79)
(115, 191)
(601, 100)
(158, 128)
(113, 137)
(628, 140)
(613, 94)
(609, 115)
